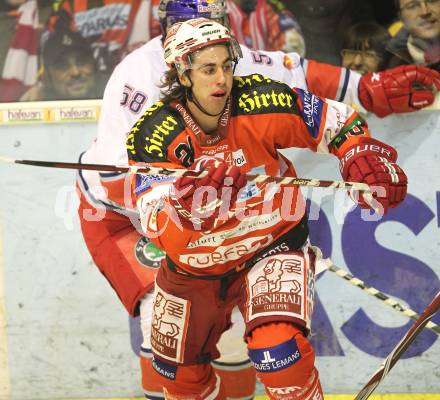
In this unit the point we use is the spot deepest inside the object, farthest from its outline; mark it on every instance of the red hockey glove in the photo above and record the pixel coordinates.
(200, 201)
(373, 162)
(398, 90)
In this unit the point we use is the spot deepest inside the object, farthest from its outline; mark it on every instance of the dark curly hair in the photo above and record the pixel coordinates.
(171, 88)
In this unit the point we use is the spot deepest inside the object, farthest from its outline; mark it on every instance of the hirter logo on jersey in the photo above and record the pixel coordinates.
(263, 100)
(259, 95)
(156, 138)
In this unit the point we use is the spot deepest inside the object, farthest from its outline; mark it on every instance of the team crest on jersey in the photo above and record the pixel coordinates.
(147, 253)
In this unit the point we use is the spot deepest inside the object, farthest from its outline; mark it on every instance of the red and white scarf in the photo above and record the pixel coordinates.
(21, 64)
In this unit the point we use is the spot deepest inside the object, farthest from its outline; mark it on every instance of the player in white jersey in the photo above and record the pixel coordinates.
(108, 219)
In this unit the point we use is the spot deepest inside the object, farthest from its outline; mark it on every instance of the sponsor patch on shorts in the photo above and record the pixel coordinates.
(272, 359)
(169, 325)
(167, 370)
(276, 287)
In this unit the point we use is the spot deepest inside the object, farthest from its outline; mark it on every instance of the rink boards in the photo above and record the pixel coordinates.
(64, 334)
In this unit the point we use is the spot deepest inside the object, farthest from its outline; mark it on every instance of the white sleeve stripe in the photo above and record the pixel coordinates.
(343, 83)
(305, 65)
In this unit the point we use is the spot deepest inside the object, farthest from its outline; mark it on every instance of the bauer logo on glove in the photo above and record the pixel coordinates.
(374, 163)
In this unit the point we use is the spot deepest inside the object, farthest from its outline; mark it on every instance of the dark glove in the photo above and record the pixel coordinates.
(398, 90)
(200, 201)
(373, 162)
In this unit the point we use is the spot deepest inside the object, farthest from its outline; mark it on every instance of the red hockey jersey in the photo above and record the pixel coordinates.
(264, 116)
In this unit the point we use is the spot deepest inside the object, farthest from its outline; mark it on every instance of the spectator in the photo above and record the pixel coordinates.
(324, 23)
(112, 29)
(363, 47)
(265, 25)
(8, 20)
(419, 40)
(19, 44)
(70, 71)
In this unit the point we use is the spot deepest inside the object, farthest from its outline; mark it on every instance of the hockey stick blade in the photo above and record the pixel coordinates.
(146, 169)
(397, 352)
(327, 264)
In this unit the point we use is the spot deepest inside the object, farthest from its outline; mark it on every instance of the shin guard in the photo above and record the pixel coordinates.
(285, 362)
(152, 389)
(183, 382)
(238, 379)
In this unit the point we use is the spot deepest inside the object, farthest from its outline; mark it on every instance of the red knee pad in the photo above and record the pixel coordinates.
(199, 382)
(284, 361)
(238, 379)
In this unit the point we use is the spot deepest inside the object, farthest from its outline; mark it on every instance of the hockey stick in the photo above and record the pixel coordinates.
(397, 352)
(132, 169)
(362, 187)
(325, 264)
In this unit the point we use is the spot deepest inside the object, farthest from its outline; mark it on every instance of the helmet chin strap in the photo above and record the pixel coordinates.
(190, 97)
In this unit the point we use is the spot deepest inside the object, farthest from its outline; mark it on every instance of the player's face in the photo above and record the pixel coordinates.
(211, 76)
(73, 77)
(421, 17)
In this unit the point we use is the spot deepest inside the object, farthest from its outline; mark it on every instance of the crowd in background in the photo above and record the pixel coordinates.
(67, 49)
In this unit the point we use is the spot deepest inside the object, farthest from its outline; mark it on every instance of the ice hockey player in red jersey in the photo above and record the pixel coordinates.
(230, 242)
(108, 222)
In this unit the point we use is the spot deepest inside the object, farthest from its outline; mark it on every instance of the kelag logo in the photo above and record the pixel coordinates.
(399, 275)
